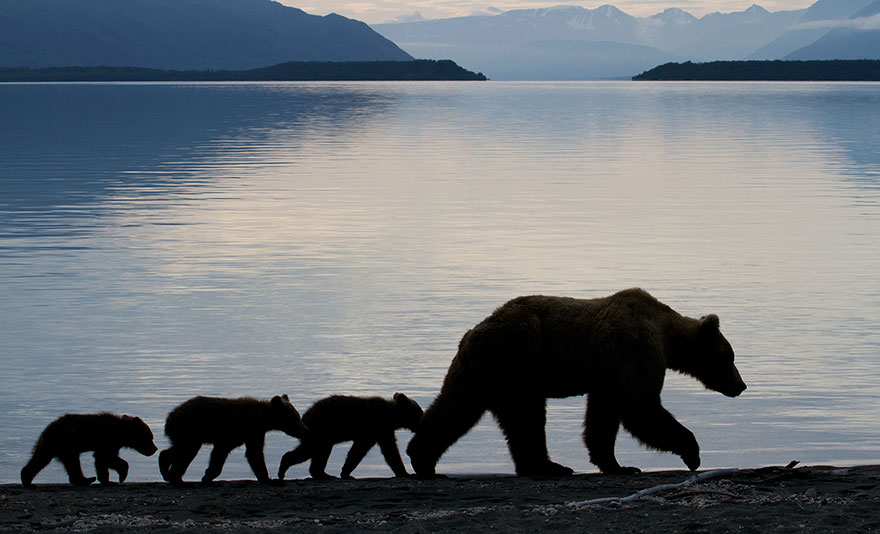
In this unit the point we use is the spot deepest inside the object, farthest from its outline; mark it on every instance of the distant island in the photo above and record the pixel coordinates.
(415, 70)
(864, 70)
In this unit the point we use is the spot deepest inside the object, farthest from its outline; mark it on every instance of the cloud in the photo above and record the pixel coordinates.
(862, 23)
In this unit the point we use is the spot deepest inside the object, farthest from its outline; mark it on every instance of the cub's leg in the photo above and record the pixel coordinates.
(166, 458)
(185, 454)
(320, 454)
(215, 465)
(74, 469)
(254, 454)
(358, 450)
(297, 456)
(388, 446)
(104, 461)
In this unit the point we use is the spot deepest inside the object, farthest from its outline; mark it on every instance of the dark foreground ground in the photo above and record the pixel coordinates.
(777, 500)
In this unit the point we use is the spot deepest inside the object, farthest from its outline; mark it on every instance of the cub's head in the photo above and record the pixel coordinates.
(407, 412)
(286, 417)
(711, 359)
(139, 436)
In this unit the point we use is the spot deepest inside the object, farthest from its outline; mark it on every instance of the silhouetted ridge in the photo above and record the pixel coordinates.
(831, 70)
(420, 69)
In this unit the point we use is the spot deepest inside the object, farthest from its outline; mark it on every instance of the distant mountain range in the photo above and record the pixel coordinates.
(180, 34)
(575, 43)
(559, 43)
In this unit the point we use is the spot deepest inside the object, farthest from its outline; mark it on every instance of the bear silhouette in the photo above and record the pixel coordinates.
(615, 349)
(226, 424)
(104, 433)
(363, 420)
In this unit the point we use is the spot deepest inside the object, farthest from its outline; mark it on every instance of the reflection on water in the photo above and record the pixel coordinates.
(159, 241)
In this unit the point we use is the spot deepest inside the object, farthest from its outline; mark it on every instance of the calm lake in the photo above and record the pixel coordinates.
(160, 241)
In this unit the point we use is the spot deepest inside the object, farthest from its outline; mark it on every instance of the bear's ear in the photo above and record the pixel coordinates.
(710, 322)
(277, 402)
(285, 397)
(127, 418)
(400, 397)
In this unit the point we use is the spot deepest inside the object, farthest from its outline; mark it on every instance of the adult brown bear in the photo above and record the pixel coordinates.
(615, 349)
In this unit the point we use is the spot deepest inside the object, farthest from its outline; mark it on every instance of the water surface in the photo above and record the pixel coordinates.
(159, 241)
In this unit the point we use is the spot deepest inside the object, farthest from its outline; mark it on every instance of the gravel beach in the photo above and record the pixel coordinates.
(772, 499)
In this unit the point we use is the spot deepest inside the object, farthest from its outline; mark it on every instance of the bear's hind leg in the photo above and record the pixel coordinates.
(448, 418)
(297, 456)
(650, 423)
(36, 464)
(522, 422)
(183, 456)
(166, 458)
(600, 432)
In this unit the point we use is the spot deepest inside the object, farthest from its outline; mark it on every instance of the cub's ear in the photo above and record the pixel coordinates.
(710, 322)
(277, 402)
(400, 397)
(285, 397)
(127, 418)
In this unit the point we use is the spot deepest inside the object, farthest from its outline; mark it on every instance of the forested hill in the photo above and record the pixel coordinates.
(180, 34)
(422, 69)
(829, 70)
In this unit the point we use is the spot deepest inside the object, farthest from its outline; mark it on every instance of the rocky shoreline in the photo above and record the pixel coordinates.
(772, 499)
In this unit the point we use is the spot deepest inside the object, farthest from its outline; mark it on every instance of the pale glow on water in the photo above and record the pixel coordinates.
(160, 241)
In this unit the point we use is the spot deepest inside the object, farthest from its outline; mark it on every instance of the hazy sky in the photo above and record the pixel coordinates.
(375, 11)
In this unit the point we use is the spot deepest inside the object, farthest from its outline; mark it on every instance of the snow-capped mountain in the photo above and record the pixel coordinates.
(481, 42)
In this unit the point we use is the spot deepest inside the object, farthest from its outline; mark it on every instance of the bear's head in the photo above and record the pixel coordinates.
(407, 412)
(710, 359)
(139, 436)
(286, 418)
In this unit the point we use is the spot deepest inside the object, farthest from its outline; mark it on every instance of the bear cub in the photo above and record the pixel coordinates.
(104, 433)
(226, 424)
(363, 420)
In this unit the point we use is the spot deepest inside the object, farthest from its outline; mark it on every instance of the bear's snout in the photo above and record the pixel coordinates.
(737, 387)
(736, 391)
